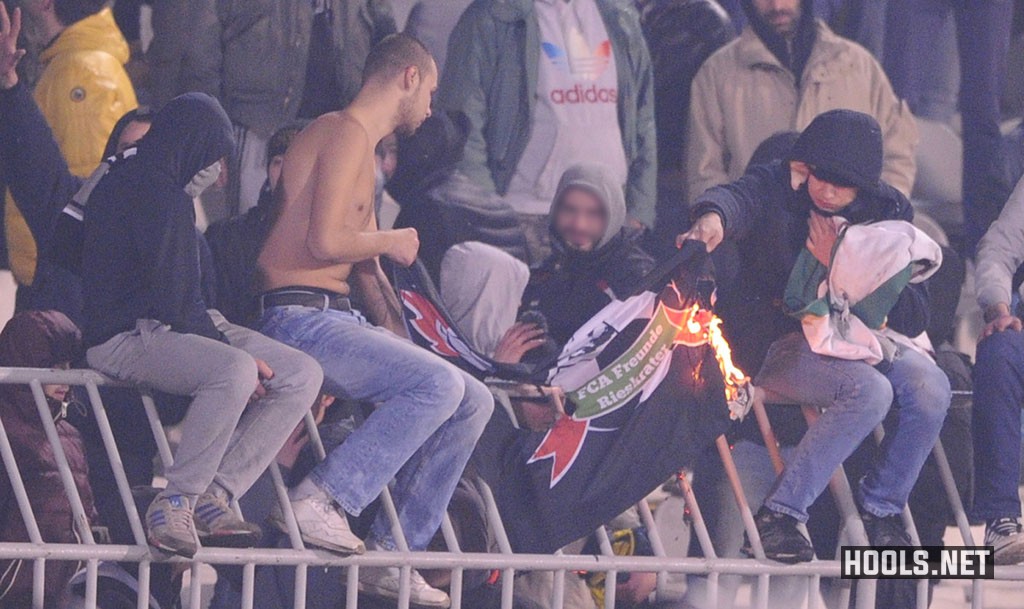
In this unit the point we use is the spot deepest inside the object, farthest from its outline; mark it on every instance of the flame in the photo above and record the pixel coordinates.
(734, 377)
(697, 322)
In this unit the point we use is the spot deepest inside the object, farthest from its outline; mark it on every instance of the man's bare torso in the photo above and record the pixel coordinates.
(286, 259)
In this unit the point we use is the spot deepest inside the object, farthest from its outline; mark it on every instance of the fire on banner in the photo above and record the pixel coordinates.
(644, 395)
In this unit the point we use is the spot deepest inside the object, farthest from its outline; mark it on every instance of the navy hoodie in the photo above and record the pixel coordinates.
(767, 220)
(140, 257)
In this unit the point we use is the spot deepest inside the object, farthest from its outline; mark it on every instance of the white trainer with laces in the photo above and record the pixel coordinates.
(384, 582)
(1006, 537)
(321, 522)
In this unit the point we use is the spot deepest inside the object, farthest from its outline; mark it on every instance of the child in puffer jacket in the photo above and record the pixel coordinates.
(39, 339)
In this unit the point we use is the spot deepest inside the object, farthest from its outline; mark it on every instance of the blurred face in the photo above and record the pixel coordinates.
(58, 392)
(274, 170)
(828, 197)
(132, 134)
(781, 15)
(580, 220)
(415, 106)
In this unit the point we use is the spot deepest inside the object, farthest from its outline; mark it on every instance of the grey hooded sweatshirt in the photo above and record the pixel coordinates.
(571, 286)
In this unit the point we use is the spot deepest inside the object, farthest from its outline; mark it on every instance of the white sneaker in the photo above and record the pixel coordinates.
(384, 582)
(1006, 537)
(320, 521)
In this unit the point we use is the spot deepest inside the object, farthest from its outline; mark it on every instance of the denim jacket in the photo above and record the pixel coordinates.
(491, 76)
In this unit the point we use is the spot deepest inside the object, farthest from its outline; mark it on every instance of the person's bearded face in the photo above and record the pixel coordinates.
(415, 107)
(782, 15)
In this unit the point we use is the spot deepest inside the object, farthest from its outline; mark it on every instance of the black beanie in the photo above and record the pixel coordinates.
(844, 147)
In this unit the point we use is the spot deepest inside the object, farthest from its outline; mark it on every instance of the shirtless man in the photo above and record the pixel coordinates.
(325, 242)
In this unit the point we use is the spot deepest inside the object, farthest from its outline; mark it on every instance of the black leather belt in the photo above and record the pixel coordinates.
(304, 297)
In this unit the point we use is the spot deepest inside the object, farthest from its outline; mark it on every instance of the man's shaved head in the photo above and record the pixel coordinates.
(390, 57)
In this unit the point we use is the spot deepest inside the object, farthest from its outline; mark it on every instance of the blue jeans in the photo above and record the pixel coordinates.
(995, 423)
(428, 418)
(856, 398)
(983, 40)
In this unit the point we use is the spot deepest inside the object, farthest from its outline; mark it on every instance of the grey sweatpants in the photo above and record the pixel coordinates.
(225, 440)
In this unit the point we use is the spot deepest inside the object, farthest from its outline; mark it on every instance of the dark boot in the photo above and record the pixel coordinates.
(782, 540)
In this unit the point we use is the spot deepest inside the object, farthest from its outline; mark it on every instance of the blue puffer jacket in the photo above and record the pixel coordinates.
(491, 77)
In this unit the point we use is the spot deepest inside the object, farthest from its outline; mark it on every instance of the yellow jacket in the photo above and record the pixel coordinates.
(82, 91)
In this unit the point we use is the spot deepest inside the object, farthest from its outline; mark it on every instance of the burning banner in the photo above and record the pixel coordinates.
(635, 374)
(644, 394)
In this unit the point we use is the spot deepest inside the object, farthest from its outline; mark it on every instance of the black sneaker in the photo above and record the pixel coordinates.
(885, 530)
(782, 540)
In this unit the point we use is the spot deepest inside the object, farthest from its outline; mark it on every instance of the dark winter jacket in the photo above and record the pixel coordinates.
(253, 54)
(41, 182)
(767, 220)
(140, 257)
(235, 244)
(39, 339)
(571, 286)
(681, 35)
(442, 204)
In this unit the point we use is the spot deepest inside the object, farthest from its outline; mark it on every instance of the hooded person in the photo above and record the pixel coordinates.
(147, 323)
(774, 213)
(595, 258)
(39, 339)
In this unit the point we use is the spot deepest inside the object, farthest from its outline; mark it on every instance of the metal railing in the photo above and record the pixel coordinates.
(454, 559)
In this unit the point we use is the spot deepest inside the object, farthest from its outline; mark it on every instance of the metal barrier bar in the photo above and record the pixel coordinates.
(248, 585)
(294, 537)
(771, 443)
(610, 577)
(163, 448)
(116, 465)
(763, 581)
(123, 487)
(703, 536)
(443, 560)
(508, 575)
(27, 515)
(908, 524)
(959, 514)
(352, 588)
(195, 590)
(657, 545)
(67, 479)
(452, 542)
(558, 587)
(454, 560)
